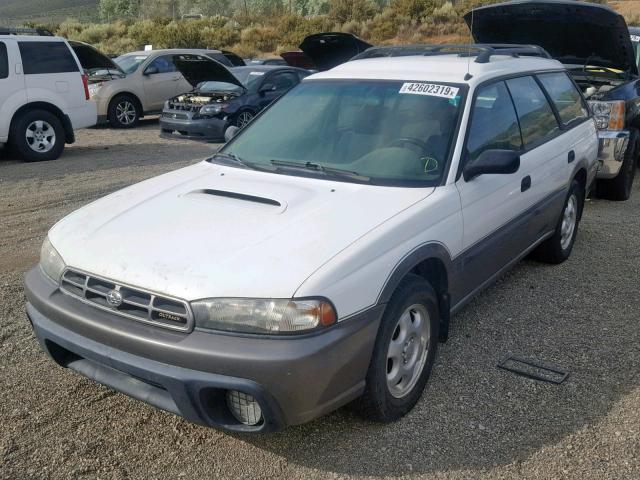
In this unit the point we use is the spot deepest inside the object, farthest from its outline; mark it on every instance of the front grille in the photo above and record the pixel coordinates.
(127, 301)
(189, 107)
(178, 116)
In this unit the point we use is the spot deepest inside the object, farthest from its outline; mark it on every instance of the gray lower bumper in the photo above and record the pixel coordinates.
(210, 130)
(294, 379)
(613, 146)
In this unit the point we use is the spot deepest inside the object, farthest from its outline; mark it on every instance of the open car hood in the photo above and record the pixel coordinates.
(575, 33)
(197, 69)
(298, 59)
(328, 50)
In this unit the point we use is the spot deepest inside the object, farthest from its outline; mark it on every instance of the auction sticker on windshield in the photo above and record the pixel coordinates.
(430, 89)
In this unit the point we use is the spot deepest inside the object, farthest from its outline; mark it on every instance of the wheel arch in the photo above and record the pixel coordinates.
(51, 108)
(432, 262)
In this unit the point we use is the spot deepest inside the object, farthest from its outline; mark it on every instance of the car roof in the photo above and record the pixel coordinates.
(262, 68)
(32, 38)
(449, 68)
(176, 51)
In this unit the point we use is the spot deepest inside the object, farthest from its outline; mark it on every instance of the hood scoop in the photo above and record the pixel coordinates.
(239, 200)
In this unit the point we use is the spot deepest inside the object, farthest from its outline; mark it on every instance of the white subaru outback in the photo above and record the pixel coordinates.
(317, 258)
(44, 94)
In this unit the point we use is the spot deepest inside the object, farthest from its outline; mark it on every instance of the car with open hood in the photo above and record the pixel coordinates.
(317, 258)
(222, 97)
(96, 65)
(148, 79)
(594, 43)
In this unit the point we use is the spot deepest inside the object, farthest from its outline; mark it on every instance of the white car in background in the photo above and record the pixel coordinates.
(316, 259)
(148, 79)
(44, 94)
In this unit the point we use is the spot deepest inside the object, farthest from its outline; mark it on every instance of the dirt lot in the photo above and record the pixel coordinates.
(474, 421)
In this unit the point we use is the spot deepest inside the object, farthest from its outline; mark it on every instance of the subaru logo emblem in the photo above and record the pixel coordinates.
(114, 298)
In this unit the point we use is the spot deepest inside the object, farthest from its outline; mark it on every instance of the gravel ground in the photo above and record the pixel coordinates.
(474, 421)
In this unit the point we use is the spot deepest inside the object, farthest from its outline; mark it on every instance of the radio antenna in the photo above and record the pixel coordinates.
(468, 75)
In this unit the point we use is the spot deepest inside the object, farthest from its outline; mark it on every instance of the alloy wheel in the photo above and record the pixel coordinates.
(244, 118)
(569, 220)
(126, 112)
(408, 350)
(41, 136)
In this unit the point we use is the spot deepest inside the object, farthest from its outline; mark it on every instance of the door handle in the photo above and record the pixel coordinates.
(525, 184)
(572, 156)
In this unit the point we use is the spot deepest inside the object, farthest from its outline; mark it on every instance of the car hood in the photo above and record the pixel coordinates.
(328, 50)
(215, 231)
(572, 32)
(197, 69)
(298, 60)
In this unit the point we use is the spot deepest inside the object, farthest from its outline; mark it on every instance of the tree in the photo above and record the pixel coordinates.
(112, 9)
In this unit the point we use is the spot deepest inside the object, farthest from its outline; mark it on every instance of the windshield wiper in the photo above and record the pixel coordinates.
(316, 167)
(238, 161)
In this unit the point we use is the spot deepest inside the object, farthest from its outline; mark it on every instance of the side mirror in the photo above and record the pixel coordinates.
(492, 162)
(231, 132)
(151, 70)
(267, 87)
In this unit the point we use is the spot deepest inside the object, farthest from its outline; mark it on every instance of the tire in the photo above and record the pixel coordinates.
(558, 248)
(37, 135)
(620, 188)
(123, 112)
(384, 400)
(243, 118)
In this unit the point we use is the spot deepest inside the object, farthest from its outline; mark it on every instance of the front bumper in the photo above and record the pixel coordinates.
(613, 146)
(295, 379)
(204, 129)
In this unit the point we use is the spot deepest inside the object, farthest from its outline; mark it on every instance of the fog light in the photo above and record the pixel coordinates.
(244, 408)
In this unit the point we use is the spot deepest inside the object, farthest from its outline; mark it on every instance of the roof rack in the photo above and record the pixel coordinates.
(482, 52)
(26, 31)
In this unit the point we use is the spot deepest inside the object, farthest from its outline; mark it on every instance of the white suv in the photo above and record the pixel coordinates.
(44, 95)
(318, 257)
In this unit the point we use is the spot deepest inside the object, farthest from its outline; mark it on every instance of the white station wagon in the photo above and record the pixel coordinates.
(317, 258)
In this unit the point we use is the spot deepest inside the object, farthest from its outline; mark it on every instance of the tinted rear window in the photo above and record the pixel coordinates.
(537, 120)
(565, 96)
(4, 61)
(46, 57)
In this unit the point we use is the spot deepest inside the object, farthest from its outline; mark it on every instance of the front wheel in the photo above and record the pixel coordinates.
(404, 352)
(558, 248)
(243, 119)
(620, 187)
(38, 135)
(123, 112)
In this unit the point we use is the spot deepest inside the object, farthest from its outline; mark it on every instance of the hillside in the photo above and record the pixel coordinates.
(16, 12)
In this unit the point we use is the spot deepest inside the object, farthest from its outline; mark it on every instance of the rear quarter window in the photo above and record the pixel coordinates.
(537, 121)
(4, 61)
(565, 96)
(46, 57)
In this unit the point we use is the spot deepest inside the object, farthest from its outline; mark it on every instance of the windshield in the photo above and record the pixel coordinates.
(389, 132)
(130, 63)
(247, 76)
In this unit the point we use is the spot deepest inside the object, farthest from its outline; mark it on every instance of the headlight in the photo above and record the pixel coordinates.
(608, 115)
(50, 261)
(213, 109)
(94, 87)
(260, 315)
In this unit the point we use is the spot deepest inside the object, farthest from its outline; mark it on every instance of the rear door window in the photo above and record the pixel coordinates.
(537, 121)
(565, 96)
(46, 57)
(494, 124)
(4, 61)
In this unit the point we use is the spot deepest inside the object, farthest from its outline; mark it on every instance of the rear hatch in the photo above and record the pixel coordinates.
(575, 33)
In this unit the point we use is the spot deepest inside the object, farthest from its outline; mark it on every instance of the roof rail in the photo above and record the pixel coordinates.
(25, 31)
(482, 52)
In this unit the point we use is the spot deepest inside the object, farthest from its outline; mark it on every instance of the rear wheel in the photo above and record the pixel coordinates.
(124, 112)
(404, 352)
(38, 135)
(619, 188)
(558, 248)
